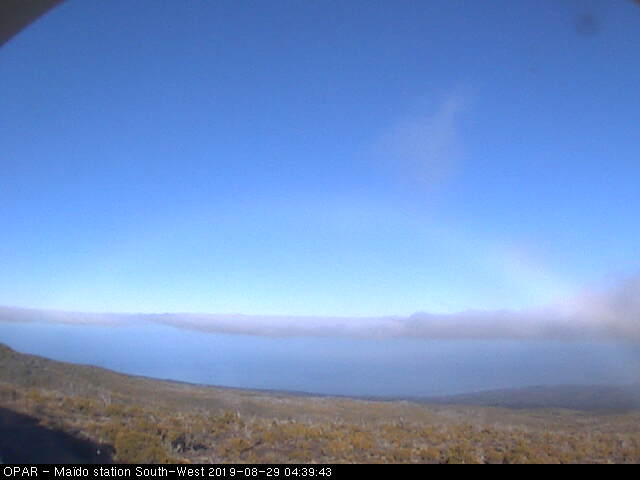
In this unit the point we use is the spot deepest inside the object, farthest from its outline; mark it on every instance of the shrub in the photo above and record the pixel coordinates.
(136, 447)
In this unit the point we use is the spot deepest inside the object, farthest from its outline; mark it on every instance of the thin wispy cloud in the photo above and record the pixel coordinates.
(613, 314)
(427, 148)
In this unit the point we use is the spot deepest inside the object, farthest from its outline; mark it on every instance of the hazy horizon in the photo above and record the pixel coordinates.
(379, 356)
(328, 366)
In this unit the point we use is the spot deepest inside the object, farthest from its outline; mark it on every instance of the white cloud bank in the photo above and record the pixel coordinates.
(607, 315)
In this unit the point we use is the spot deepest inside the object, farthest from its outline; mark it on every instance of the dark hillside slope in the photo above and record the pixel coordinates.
(23, 440)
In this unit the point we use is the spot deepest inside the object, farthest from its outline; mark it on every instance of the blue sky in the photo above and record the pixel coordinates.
(319, 158)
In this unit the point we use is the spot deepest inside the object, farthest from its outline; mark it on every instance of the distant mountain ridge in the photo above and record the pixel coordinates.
(573, 397)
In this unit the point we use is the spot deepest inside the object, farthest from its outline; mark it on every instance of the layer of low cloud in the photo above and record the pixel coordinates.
(612, 314)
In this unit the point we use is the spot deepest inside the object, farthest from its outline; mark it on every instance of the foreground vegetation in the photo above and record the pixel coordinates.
(149, 421)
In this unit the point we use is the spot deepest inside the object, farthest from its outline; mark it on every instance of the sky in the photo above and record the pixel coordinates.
(327, 158)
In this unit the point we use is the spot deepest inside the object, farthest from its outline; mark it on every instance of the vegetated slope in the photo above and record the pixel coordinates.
(156, 421)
